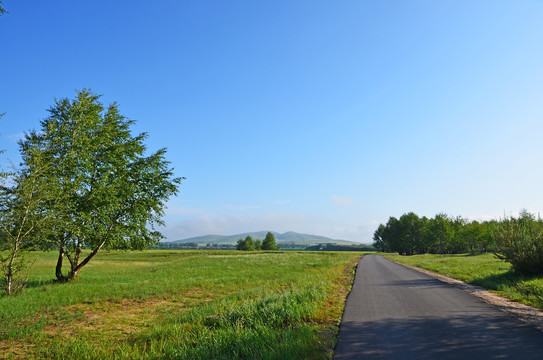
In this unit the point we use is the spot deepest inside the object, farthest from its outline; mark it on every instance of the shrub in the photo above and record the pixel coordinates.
(519, 241)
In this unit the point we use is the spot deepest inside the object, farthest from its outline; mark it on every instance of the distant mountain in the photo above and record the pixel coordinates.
(290, 237)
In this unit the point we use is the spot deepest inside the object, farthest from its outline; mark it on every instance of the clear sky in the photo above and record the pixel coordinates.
(322, 117)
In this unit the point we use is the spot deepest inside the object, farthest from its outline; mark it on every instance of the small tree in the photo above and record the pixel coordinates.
(519, 241)
(250, 244)
(439, 234)
(391, 235)
(23, 218)
(269, 242)
(378, 241)
(110, 194)
(246, 245)
(258, 244)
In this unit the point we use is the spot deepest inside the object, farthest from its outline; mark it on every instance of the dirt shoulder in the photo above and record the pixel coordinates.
(528, 314)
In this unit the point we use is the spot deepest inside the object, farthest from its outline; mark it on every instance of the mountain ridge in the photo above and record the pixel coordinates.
(289, 237)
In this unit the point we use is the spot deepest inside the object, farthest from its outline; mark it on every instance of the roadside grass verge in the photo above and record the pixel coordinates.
(484, 270)
(181, 305)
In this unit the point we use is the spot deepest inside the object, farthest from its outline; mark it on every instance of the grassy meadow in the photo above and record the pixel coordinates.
(483, 270)
(181, 305)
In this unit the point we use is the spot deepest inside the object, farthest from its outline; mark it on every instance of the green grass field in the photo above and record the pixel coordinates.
(181, 305)
(483, 270)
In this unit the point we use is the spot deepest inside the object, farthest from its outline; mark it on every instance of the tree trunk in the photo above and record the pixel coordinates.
(9, 274)
(8, 284)
(77, 254)
(76, 269)
(73, 274)
(58, 270)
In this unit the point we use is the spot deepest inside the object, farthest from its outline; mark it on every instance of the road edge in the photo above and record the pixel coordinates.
(355, 268)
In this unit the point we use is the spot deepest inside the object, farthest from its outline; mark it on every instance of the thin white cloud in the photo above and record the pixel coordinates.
(343, 201)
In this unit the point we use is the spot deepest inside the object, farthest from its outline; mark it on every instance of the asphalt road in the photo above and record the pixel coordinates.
(394, 312)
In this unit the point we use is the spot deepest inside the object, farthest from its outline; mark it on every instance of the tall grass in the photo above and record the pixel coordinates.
(181, 305)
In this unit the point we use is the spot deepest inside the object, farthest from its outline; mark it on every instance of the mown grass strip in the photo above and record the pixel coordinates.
(484, 270)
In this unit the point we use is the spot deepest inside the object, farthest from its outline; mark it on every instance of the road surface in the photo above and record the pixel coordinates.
(394, 312)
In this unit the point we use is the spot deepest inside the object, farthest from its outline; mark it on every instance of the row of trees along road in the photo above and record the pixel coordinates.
(248, 244)
(85, 182)
(411, 234)
(518, 241)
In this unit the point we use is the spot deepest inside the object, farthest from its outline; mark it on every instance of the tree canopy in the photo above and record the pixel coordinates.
(23, 216)
(269, 242)
(246, 245)
(110, 194)
(518, 241)
(442, 234)
(2, 10)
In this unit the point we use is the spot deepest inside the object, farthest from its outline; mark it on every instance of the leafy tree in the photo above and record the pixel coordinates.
(269, 242)
(520, 242)
(485, 241)
(111, 194)
(468, 235)
(404, 235)
(442, 234)
(410, 234)
(475, 236)
(23, 219)
(392, 235)
(378, 241)
(250, 244)
(439, 234)
(258, 244)
(457, 243)
(246, 245)
(2, 10)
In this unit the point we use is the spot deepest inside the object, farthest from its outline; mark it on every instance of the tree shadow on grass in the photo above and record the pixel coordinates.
(516, 284)
(509, 278)
(31, 284)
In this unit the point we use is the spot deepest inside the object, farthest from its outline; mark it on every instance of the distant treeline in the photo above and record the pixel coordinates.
(193, 245)
(288, 246)
(335, 247)
(442, 234)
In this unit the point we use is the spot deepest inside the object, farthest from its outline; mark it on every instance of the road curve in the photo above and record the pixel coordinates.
(394, 312)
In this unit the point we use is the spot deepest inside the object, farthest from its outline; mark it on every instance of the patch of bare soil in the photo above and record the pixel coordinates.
(13, 350)
(528, 314)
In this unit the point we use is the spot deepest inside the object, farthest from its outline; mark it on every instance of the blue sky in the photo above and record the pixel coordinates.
(323, 117)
